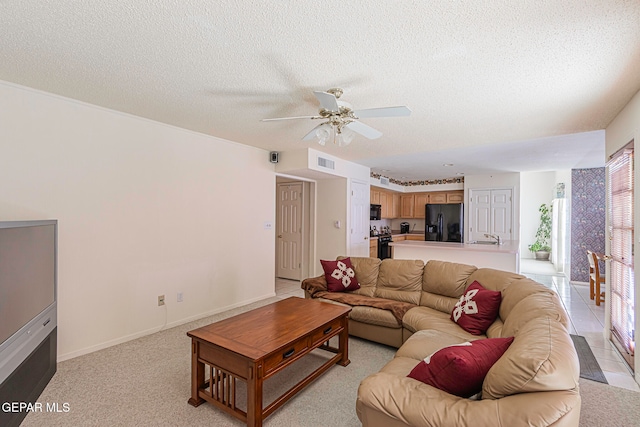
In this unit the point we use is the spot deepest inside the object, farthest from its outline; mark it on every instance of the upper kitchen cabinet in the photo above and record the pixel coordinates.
(389, 203)
(420, 200)
(407, 205)
(411, 205)
(440, 197)
(455, 197)
(375, 197)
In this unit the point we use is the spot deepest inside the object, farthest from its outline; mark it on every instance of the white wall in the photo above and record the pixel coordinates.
(624, 128)
(332, 206)
(144, 209)
(536, 188)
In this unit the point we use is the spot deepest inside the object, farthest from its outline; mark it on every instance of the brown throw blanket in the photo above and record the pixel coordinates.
(317, 288)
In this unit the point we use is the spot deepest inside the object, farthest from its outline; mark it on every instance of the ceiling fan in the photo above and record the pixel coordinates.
(341, 120)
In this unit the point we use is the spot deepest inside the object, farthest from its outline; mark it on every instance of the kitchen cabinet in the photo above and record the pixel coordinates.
(415, 237)
(375, 197)
(395, 200)
(389, 203)
(373, 248)
(420, 200)
(399, 205)
(386, 206)
(439, 197)
(407, 205)
(455, 197)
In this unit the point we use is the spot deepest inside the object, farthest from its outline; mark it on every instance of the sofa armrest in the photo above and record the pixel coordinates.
(314, 284)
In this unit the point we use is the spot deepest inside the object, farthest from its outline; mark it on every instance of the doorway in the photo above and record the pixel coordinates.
(293, 233)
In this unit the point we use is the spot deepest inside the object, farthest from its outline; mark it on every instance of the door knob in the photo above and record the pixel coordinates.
(279, 236)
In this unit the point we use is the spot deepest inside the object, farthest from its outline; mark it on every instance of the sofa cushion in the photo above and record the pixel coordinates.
(541, 358)
(494, 280)
(367, 270)
(426, 342)
(374, 316)
(477, 309)
(448, 279)
(460, 369)
(340, 275)
(400, 280)
(438, 302)
(421, 318)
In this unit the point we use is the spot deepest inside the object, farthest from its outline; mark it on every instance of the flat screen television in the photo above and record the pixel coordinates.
(28, 314)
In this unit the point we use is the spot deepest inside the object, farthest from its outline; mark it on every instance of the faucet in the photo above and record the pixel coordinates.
(494, 236)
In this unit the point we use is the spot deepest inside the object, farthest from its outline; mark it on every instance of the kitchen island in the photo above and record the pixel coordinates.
(502, 257)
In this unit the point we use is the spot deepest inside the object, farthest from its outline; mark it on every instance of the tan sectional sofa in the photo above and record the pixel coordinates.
(534, 383)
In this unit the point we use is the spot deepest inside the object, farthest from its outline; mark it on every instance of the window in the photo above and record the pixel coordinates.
(620, 292)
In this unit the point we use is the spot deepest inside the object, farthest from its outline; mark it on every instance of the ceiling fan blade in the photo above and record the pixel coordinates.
(364, 130)
(327, 100)
(290, 118)
(400, 111)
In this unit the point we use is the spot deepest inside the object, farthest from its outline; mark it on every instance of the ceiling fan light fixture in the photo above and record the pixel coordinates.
(345, 137)
(323, 133)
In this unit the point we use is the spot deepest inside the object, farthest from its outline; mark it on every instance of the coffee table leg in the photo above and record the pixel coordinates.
(343, 346)
(254, 397)
(197, 375)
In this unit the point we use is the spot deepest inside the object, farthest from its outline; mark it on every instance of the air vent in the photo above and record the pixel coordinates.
(384, 180)
(326, 163)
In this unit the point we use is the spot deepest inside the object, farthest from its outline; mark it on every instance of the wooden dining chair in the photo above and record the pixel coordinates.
(595, 279)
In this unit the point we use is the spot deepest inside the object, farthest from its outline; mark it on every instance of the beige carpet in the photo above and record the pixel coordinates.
(146, 382)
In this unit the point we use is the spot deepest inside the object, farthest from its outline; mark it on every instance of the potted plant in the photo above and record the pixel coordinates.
(541, 246)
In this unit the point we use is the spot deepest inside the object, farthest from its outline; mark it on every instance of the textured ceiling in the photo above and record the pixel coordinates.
(489, 82)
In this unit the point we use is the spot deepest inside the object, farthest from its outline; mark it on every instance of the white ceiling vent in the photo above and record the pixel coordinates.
(326, 163)
(384, 180)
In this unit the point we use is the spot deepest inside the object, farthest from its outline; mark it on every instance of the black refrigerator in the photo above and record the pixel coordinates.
(444, 222)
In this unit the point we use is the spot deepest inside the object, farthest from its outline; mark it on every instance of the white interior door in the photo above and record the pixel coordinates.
(490, 213)
(359, 236)
(501, 213)
(480, 212)
(289, 231)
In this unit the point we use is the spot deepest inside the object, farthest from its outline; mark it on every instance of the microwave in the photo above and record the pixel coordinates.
(376, 212)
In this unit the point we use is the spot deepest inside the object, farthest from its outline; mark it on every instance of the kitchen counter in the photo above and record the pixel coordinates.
(502, 257)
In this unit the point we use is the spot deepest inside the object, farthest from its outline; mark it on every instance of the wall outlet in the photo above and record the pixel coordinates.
(179, 296)
(160, 300)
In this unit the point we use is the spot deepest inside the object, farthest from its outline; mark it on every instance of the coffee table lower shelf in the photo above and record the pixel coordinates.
(226, 367)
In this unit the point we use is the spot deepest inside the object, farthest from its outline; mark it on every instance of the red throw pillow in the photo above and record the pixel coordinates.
(477, 309)
(340, 275)
(460, 369)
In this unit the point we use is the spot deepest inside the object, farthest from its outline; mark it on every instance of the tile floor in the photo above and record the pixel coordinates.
(586, 318)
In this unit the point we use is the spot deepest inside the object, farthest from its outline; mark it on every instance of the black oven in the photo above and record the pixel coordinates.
(384, 250)
(376, 212)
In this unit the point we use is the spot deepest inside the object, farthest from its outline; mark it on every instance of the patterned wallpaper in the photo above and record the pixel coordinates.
(588, 219)
(457, 180)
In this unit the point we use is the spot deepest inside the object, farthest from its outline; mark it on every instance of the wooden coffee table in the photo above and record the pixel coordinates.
(254, 346)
